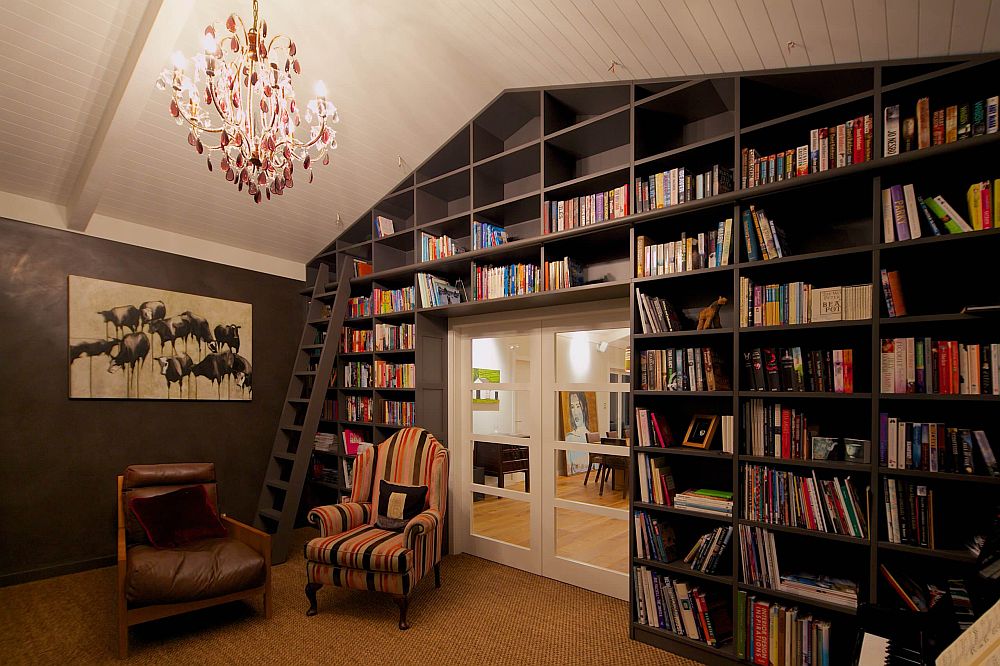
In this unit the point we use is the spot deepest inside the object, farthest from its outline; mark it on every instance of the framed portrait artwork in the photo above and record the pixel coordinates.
(701, 431)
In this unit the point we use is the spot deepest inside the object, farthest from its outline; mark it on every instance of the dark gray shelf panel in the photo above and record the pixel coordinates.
(800, 598)
(679, 567)
(567, 108)
(684, 451)
(584, 294)
(801, 531)
(962, 556)
(716, 517)
(837, 465)
(941, 476)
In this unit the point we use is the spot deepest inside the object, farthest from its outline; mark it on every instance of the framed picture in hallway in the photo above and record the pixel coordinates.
(144, 343)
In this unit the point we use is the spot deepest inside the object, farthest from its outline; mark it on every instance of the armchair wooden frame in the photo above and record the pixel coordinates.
(128, 617)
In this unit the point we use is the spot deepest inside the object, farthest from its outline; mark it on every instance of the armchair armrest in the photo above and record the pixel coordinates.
(336, 518)
(427, 522)
(257, 540)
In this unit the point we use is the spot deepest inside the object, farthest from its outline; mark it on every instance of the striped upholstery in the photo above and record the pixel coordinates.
(351, 551)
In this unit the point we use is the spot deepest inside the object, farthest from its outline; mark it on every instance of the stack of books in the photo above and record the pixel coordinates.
(437, 247)
(353, 441)
(828, 148)
(654, 539)
(384, 226)
(758, 557)
(926, 128)
(355, 340)
(839, 591)
(797, 500)
(706, 554)
(801, 303)
(357, 375)
(503, 281)
(359, 306)
(359, 408)
(909, 512)
(387, 301)
(325, 441)
(656, 481)
(934, 447)
(680, 185)
(776, 430)
(395, 375)
(435, 291)
(945, 367)
(652, 430)
(561, 274)
(706, 500)
(656, 315)
(763, 240)
(391, 338)
(688, 369)
(397, 412)
(586, 210)
(486, 235)
(362, 267)
(702, 250)
(795, 369)
(674, 606)
(768, 632)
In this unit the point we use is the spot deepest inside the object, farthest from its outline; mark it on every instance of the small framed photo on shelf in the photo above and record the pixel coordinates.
(827, 448)
(856, 450)
(701, 431)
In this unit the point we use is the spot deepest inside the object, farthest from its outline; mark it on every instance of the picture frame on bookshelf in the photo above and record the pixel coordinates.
(857, 450)
(827, 448)
(701, 431)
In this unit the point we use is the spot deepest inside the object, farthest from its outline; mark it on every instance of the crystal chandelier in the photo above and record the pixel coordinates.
(246, 79)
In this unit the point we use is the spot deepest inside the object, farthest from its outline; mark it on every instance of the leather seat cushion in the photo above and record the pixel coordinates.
(366, 547)
(201, 570)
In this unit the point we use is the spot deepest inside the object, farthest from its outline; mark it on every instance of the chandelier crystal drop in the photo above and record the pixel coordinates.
(246, 79)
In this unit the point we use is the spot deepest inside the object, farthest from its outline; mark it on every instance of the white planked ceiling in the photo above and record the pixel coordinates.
(405, 76)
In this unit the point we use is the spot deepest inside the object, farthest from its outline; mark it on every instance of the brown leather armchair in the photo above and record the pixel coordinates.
(155, 583)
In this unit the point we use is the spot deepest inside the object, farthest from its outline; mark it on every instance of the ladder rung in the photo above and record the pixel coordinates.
(327, 294)
(305, 347)
(273, 514)
(307, 291)
(285, 456)
(318, 322)
(293, 428)
(280, 485)
(306, 373)
(299, 400)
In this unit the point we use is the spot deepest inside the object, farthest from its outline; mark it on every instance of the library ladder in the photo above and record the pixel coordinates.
(288, 466)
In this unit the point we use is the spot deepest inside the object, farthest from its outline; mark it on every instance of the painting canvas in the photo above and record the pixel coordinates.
(134, 342)
(578, 416)
(485, 376)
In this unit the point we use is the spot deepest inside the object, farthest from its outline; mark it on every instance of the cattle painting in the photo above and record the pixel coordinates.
(133, 342)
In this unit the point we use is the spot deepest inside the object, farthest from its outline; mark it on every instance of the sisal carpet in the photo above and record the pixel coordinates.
(484, 613)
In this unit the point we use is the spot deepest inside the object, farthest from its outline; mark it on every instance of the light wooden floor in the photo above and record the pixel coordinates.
(580, 536)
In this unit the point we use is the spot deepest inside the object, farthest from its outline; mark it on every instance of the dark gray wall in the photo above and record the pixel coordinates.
(59, 457)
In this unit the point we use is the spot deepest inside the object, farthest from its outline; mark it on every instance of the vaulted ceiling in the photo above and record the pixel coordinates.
(405, 76)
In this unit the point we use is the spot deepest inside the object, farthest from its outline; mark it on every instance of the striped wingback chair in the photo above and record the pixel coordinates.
(352, 551)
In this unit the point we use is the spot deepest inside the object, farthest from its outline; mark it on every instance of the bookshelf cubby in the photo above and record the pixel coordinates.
(529, 146)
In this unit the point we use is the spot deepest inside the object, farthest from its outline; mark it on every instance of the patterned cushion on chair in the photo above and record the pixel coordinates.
(365, 547)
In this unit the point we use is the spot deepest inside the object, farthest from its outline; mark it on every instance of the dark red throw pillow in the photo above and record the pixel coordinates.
(177, 518)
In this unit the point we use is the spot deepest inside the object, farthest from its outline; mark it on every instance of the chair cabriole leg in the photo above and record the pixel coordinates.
(311, 589)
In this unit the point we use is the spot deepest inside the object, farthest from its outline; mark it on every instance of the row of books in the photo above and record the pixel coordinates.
(435, 291)
(892, 291)
(934, 447)
(437, 247)
(561, 274)
(776, 430)
(909, 512)
(586, 210)
(384, 226)
(763, 239)
(905, 215)
(656, 480)
(359, 306)
(687, 369)
(326, 474)
(359, 408)
(357, 375)
(704, 250)
(361, 267)
(795, 369)
(652, 430)
(828, 148)
(759, 564)
(768, 632)
(325, 441)
(486, 235)
(355, 340)
(706, 500)
(926, 128)
(389, 337)
(397, 412)
(706, 554)
(329, 411)
(387, 301)
(801, 303)
(680, 185)
(945, 367)
(654, 538)
(672, 605)
(799, 500)
(503, 281)
(395, 375)
(656, 315)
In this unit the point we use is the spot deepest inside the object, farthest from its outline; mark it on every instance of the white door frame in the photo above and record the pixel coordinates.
(541, 556)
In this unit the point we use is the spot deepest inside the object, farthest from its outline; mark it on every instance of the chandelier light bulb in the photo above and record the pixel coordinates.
(240, 106)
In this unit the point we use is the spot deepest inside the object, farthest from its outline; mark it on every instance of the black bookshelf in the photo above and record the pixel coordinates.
(532, 145)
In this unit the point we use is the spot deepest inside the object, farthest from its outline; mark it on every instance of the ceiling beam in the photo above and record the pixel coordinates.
(154, 41)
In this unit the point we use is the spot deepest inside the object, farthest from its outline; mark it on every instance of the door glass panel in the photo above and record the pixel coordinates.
(589, 357)
(505, 413)
(503, 359)
(501, 465)
(501, 518)
(586, 416)
(600, 541)
(583, 486)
